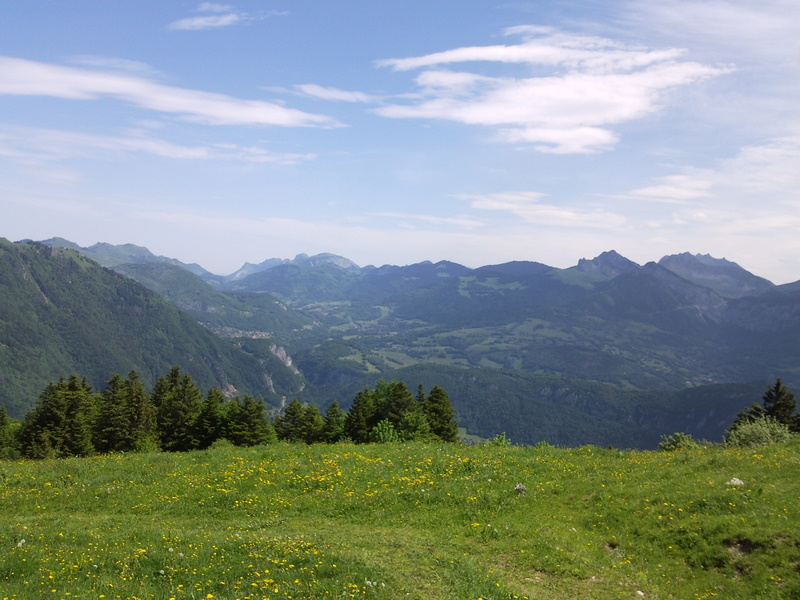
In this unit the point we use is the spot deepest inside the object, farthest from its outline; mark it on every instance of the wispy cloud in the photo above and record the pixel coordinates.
(35, 148)
(587, 84)
(222, 15)
(29, 78)
(747, 29)
(218, 15)
(528, 207)
(329, 93)
(761, 177)
(110, 63)
(206, 22)
(676, 189)
(746, 206)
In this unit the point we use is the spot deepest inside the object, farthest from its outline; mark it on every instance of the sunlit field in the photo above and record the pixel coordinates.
(404, 521)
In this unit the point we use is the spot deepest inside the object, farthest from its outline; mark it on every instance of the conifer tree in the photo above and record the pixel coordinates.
(300, 423)
(779, 404)
(289, 426)
(361, 417)
(141, 414)
(421, 394)
(211, 423)
(111, 425)
(60, 425)
(177, 402)
(440, 415)
(247, 423)
(334, 419)
(81, 410)
(312, 425)
(398, 403)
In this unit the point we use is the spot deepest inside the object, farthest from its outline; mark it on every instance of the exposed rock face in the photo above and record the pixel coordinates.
(280, 352)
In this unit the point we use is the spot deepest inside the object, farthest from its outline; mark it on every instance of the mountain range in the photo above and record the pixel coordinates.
(605, 352)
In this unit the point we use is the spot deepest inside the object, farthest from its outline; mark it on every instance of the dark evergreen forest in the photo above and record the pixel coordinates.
(72, 419)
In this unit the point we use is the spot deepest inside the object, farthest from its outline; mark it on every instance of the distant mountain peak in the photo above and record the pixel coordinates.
(326, 258)
(607, 265)
(726, 278)
(113, 255)
(58, 242)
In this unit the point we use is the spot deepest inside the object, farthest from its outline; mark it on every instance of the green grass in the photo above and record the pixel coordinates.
(404, 521)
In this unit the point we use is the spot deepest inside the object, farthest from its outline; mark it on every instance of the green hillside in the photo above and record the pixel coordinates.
(607, 352)
(227, 314)
(61, 313)
(388, 521)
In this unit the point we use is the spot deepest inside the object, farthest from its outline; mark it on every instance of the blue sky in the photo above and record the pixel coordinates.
(398, 131)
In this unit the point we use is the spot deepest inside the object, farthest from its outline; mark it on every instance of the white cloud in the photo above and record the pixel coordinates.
(592, 83)
(29, 78)
(761, 178)
(546, 46)
(767, 170)
(573, 140)
(116, 64)
(223, 15)
(206, 22)
(35, 147)
(746, 207)
(675, 189)
(527, 206)
(329, 93)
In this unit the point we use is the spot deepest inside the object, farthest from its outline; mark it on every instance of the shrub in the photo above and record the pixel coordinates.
(762, 431)
(384, 433)
(146, 445)
(677, 441)
(500, 441)
(222, 443)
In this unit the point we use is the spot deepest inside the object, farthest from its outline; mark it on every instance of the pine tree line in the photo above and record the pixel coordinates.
(71, 419)
(388, 413)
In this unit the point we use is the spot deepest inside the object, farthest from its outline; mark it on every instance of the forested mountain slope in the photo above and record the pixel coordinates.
(684, 324)
(61, 313)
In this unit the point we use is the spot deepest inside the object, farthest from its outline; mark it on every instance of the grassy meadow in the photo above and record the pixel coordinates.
(396, 521)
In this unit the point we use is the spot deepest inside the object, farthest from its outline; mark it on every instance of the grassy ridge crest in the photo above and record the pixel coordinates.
(404, 521)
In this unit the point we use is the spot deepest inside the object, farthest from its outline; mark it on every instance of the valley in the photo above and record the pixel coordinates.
(639, 351)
